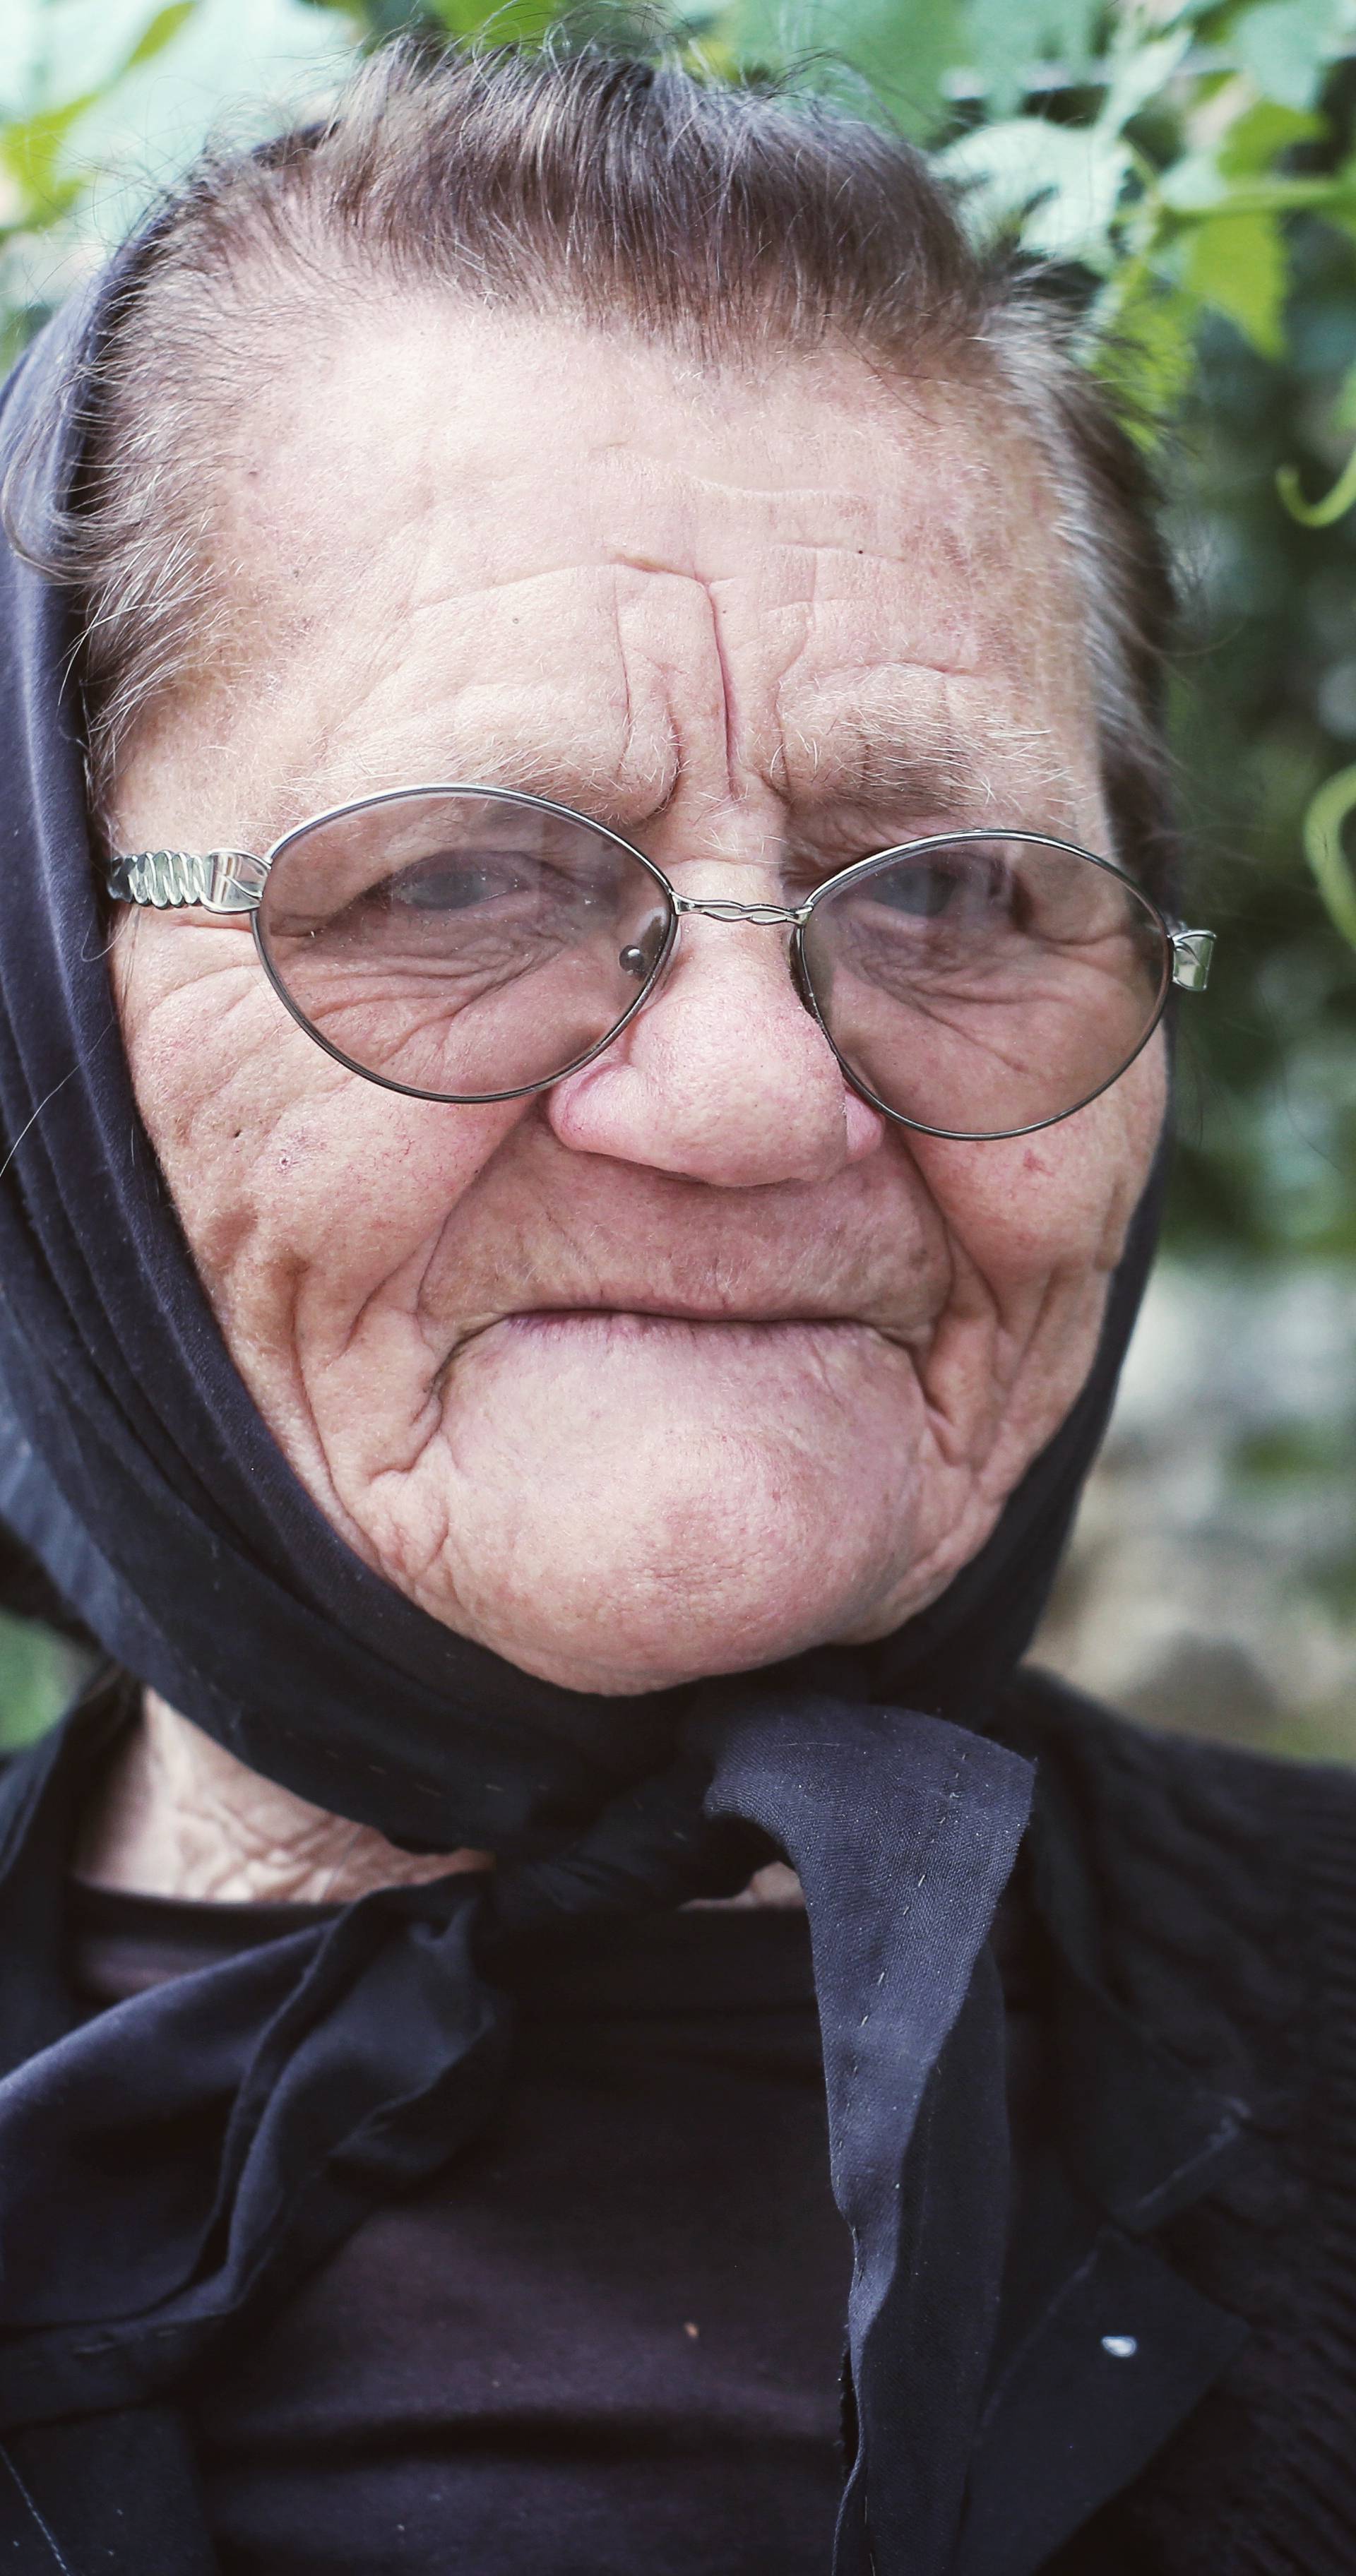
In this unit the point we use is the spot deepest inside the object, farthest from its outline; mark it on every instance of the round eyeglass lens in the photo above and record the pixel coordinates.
(458, 944)
(986, 984)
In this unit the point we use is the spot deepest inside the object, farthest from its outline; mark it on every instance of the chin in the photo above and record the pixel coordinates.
(628, 1507)
(624, 1655)
(621, 1630)
(711, 1549)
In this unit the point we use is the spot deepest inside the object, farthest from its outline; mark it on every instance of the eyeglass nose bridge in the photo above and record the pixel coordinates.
(724, 908)
(721, 909)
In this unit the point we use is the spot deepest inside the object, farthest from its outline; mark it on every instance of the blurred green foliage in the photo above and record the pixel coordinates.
(39, 1674)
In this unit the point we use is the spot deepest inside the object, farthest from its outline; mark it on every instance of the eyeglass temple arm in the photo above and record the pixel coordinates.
(218, 880)
(1192, 952)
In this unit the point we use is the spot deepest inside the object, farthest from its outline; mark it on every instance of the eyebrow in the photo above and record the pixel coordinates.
(561, 773)
(869, 772)
(1000, 766)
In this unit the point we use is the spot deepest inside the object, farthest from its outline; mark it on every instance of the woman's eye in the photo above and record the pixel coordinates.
(982, 892)
(507, 880)
(455, 885)
(924, 891)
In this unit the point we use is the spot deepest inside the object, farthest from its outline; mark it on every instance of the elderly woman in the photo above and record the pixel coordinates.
(587, 925)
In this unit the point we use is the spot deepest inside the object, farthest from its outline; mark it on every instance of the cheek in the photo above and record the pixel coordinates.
(280, 1162)
(1027, 1208)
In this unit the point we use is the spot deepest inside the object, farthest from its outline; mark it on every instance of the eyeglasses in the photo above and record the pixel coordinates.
(473, 944)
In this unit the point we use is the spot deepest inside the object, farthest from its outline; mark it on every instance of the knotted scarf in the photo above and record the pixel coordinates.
(170, 2166)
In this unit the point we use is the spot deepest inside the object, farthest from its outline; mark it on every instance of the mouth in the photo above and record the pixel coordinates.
(638, 1320)
(544, 1318)
(644, 1312)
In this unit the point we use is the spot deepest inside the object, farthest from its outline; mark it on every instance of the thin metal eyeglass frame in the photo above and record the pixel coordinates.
(232, 883)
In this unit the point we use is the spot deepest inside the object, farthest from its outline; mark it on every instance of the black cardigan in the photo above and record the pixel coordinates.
(1223, 1891)
(1201, 1905)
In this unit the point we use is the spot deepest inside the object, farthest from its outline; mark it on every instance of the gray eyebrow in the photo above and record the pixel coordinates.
(869, 773)
(567, 776)
(999, 766)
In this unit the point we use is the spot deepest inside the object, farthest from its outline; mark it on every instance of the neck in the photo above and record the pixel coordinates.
(180, 1816)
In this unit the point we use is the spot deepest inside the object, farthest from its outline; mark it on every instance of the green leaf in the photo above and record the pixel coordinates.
(1056, 187)
(20, 36)
(1260, 133)
(263, 61)
(1193, 185)
(1285, 44)
(901, 48)
(1237, 264)
(1138, 72)
(165, 25)
(1005, 38)
(71, 49)
(1144, 349)
(514, 22)
(29, 152)
(1344, 408)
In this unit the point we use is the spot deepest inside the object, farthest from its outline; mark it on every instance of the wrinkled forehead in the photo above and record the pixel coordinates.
(460, 546)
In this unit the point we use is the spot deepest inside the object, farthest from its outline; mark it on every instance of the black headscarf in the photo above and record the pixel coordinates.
(180, 2160)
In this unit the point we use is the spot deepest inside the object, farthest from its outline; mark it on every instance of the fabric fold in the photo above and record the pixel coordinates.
(172, 2165)
(902, 1885)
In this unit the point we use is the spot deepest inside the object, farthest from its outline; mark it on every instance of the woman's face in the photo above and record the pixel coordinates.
(694, 1360)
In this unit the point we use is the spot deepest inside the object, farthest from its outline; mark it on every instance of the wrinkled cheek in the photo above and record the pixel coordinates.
(291, 1176)
(1024, 1209)
(204, 1036)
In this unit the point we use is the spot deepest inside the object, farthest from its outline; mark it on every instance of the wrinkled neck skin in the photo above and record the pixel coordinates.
(181, 1817)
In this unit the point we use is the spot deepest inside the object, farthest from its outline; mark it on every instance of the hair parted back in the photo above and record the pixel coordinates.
(731, 222)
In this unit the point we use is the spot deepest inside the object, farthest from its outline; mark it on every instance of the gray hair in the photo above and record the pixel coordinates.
(724, 220)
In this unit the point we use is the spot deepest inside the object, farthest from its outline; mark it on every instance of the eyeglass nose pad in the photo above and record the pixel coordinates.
(650, 965)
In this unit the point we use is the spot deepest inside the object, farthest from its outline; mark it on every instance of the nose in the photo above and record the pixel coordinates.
(724, 1077)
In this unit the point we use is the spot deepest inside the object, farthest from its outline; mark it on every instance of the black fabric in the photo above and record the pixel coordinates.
(129, 2500)
(1201, 1912)
(1214, 1894)
(168, 2172)
(620, 2313)
(183, 2161)
(1119, 2137)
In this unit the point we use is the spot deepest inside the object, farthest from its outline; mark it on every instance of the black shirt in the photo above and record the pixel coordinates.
(608, 2335)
